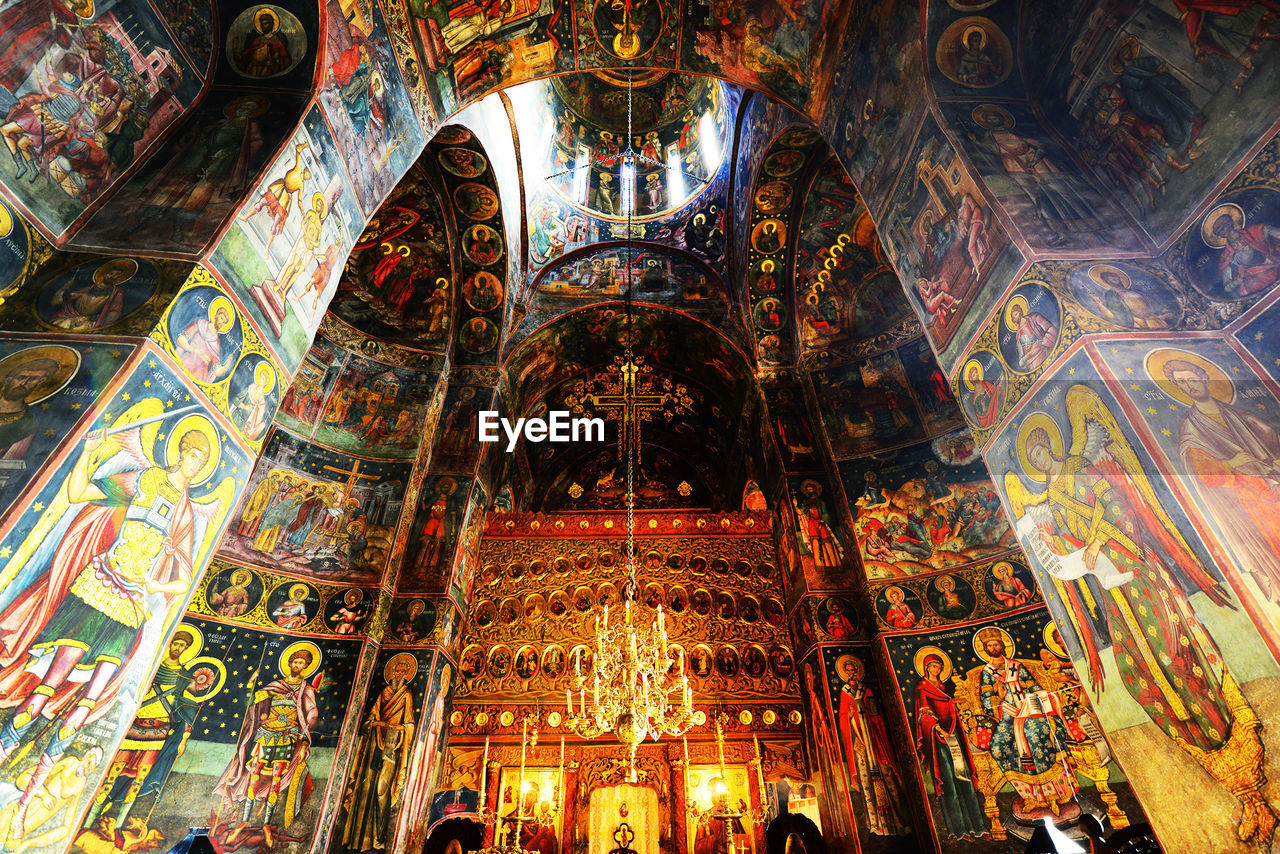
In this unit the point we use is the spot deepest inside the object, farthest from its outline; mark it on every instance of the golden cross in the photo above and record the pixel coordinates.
(631, 405)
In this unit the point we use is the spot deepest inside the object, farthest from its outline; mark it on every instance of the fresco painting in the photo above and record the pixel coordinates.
(364, 97)
(358, 404)
(47, 388)
(86, 90)
(967, 693)
(869, 406)
(1157, 105)
(195, 180)
(283, 254)
(150, 450)
(1075, 430)
(190, 748)
(916, 511)
(317, 511)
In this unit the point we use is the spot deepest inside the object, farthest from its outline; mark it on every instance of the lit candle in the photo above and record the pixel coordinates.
(577, 664)
(524, 748)
(568, 702)
(582, 698)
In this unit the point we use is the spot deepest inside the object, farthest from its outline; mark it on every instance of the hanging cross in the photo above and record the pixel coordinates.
(631, 404)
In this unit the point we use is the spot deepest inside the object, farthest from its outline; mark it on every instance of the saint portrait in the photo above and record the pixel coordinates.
(1029, 329)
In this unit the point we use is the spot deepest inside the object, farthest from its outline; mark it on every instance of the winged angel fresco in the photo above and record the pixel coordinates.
(98, 577)
(1123, 572)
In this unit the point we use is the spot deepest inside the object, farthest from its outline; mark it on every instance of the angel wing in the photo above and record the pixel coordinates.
(209, 512)
(34, 555)
(1095, 430)
(1020, 498)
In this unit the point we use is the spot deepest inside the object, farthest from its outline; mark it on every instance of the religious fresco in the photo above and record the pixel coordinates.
(47, 387)
(70, 292)
(192, 28)
(283, 254)
(961, 594)
(773, 220)
(437, 526)
(689, 135)
(945, 241)
(1073, 429)
(1211, 418)
(267, 45)
(150, 445)
(824, 538)
(651, 274)
(396, 283)
(1005, 734)
(366, 101)
(848, 288)
(1160, 101)
(972, 55)
(767, 47)
(346, 401)
(221, 352)
(916, 510)
(865, 762)
(88, 88)
(471, 183)
(758, 119)
(1033, 177)
(879, 74)
(257, 597)
(319, 512)
(193, 183)
(375, 786)
(1226, 255)
(190, 749)
(428, 753)
(868, 406)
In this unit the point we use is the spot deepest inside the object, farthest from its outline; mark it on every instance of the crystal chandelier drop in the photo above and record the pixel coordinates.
(638, 690)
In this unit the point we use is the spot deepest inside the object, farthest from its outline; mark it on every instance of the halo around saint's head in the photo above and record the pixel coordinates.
(202, 425)
(1044, 421)
(1159, 369)
(300, 646)
(924, 653)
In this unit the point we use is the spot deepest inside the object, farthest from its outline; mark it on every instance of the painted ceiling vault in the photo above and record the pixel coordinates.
(940, 340)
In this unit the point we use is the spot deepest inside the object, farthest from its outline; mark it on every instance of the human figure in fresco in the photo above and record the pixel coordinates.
(378, 773)
(266, 52)
(1098, 503)
(1029, 737)
(281, 194)
(249, 409)
(232, 600)
(1249, 259)
(1156, 96)
(838, 625)
(97, 304)
(1008, 588)
(1233, 457)
(292, 612)
(436, 528)
(256, 505)
(835, 770)
(1034, 334)
(348, 618)
(864, 737)
(270, 762)
(199, 345)
(18, 424)
(126, 550)
(899, 614)
(159, 732)
(941, 738)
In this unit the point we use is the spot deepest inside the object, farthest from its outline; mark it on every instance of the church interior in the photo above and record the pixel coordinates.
(922, 486)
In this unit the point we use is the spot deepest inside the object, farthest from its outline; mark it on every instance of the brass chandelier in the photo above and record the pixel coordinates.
(636, 691)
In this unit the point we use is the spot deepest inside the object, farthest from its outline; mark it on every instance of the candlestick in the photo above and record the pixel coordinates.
(759, 767)
(724, 776)
(560, 787)
(524, 747)
(568, 701)
(484, 775)
(687, 793)
(582, 697)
